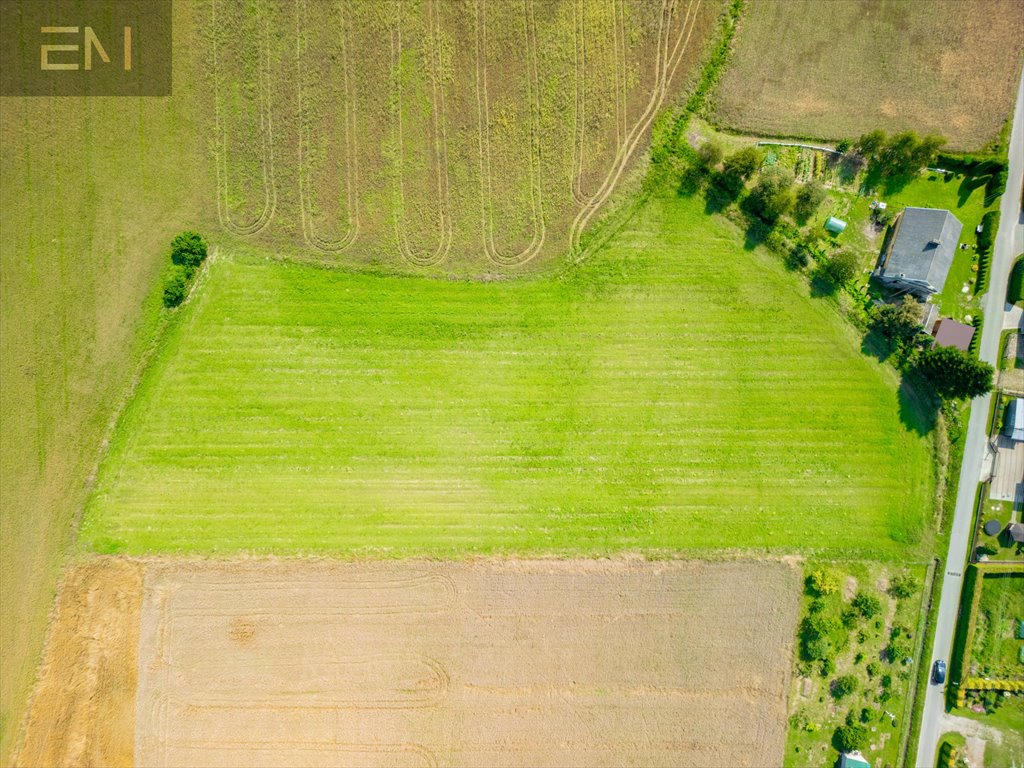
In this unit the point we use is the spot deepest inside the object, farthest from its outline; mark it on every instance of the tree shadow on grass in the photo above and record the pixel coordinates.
(875, 345)
(919, 408)
(821, 286)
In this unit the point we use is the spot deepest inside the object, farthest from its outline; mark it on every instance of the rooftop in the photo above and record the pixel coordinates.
(950, 333)
(923, 247)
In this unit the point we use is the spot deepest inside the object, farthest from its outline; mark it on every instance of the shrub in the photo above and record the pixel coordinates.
(851, 737)
(808, 198)
(822, 582)
(709, 154)
(743, 162)
(844, 146)
(873, 668)
(867, 605)
(900, 322)
(989, 226)
(1015, 287)
(188, 250)
(903, 586)
(844, 686)
(175, 286)
(772, 196)
(842, 267)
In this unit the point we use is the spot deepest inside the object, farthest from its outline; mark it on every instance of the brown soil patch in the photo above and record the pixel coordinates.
(83, 711)
(482, 663)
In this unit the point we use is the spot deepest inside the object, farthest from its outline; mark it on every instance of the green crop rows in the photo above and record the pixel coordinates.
(674, 393)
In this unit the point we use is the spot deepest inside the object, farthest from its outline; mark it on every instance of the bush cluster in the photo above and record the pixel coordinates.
(188, 251)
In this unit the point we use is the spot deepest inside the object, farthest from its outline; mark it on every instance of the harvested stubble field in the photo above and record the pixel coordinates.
(845, 68)
(461, 135)
(676, 392)
(256, 662)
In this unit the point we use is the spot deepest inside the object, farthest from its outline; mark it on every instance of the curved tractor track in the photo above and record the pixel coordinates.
(670, 53)
(307, 200)
(221, 133)
(439, 132)
(483, 109)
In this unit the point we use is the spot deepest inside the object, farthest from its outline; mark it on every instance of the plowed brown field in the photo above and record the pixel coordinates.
(417, 663)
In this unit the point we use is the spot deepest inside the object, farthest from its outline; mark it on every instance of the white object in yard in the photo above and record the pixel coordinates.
(978, 229)
(965, 289)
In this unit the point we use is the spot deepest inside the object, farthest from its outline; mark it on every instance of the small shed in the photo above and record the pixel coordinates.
(1016, 532)
(950, 333)
(834, 225)
(1014, 426)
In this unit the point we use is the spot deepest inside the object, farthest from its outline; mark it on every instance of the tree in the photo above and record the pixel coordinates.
(851, 737)
(188, 250)
(743, 162)
(842, 267)
(808, 198)
(822, 582)
(772, 196)
(867, 605)
(175, 286)
(843, 686)
(955, 374)
(870, 143)
(900, 646)
(844, 146)
(903, 586)
(709, 154)
(900, 322)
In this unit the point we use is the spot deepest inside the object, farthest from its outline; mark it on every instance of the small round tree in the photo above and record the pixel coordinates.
(175, 286)
(844, 686)
(851, 737)
(188, 250)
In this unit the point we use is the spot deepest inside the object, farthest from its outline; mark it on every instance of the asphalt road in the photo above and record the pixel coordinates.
(1009, 243)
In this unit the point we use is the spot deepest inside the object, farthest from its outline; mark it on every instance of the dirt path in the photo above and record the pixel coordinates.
(83, 710)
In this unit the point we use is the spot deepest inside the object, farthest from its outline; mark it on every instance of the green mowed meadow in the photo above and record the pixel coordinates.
(674, 393)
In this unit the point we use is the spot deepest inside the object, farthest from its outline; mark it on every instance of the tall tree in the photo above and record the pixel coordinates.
(955, 374)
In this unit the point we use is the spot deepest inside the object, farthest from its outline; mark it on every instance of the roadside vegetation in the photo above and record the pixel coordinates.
(857, 654)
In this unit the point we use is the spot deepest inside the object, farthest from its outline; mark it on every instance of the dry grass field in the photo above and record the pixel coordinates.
(91, 191)
(462, 136)
(835, 70)
(288, 662)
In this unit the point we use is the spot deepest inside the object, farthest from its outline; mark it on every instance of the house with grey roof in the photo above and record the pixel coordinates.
(921, 251)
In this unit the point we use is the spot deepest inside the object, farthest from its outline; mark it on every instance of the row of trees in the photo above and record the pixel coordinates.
(899, 156)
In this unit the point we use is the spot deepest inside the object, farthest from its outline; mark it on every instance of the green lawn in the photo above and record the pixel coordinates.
(996, 649)
(677, 392)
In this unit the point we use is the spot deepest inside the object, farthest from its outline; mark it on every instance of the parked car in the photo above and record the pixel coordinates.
(939, 672)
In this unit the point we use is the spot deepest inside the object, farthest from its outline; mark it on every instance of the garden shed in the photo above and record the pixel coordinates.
(834, 225)
(1014, 426)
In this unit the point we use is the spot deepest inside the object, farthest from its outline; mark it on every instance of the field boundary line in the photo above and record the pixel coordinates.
(440, 132)
(667, 63)
(483, 110)
(309, 232)
(266, 139)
